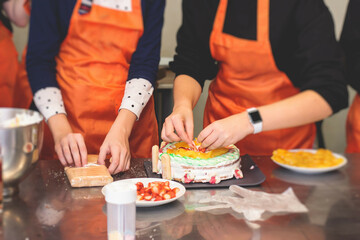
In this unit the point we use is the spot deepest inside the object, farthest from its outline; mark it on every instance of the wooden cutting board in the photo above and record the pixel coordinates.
(92, 175)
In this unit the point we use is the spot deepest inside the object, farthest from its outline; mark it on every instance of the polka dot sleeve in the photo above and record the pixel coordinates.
(49, 101)
(137, 93)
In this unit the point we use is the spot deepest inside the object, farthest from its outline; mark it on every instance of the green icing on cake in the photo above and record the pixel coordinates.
(232, 154)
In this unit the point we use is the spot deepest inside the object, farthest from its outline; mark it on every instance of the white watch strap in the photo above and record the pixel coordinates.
(256, 123)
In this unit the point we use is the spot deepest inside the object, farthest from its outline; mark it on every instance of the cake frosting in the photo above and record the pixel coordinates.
(193, 164)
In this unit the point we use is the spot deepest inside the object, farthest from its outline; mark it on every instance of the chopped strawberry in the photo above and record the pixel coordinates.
(139, 185)
(238, 174)
(202, 149)
(172, 194)
(167, 196)
(162, 192)
(155, 191)
(214, 180)
(148, 197)
(158, 198)
(148, 190)
(188, 178)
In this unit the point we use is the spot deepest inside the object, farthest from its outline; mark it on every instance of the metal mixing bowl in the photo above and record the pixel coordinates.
(20, 146)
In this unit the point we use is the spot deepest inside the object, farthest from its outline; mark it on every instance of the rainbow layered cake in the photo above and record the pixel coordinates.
(181, 162)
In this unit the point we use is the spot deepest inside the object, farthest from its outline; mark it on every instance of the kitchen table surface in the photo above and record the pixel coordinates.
(48, 208)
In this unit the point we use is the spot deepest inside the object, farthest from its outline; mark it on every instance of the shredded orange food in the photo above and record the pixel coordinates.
(320, 159)
(184, 150)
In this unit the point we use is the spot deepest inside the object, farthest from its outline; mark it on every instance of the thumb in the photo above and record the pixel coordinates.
(189, 128)
(102, 155)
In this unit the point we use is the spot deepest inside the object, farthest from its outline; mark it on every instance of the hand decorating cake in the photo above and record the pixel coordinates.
(181, 162)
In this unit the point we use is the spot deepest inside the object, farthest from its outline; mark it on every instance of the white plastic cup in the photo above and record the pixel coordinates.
(121, 211)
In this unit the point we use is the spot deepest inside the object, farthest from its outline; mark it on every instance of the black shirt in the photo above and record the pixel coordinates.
(350, 41)
(301, 35)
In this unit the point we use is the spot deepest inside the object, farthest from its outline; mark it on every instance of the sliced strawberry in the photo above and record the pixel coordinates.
(167, 196)
(212, 180)
(155, 189)
(148, 197)
(147, 190)
(162, 192)
(158, 198)
(139, 185)
(172, 194)
(238, 174)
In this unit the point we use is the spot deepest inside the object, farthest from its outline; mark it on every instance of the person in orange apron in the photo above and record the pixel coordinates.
(92, 66)
(350, 40)
(9, 66)
(23, 96)
(277, 69)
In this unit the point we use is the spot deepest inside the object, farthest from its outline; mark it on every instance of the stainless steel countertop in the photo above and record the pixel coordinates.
(48, 208)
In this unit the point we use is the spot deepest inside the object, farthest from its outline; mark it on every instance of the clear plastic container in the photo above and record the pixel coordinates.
(121, 211)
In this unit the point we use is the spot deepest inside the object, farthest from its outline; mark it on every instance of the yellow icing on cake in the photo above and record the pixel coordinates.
(181, 149)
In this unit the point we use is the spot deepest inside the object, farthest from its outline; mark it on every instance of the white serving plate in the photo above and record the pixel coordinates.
(145, 181)
(308, 170)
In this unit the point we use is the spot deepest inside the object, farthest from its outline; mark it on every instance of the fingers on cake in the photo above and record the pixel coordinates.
(186, 163)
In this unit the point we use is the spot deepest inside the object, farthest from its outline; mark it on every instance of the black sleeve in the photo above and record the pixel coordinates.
(145, 60)
(49, 23)
(317, 62)
(193, 57)
(350, 41)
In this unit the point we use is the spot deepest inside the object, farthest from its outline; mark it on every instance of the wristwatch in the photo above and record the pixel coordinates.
(255, 119)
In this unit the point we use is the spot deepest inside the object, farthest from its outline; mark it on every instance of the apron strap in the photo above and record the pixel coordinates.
(85, 6)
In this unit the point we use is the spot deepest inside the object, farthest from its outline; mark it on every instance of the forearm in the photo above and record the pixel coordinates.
(59, 126)
(124, 122)
(303, 108)
(187, 91)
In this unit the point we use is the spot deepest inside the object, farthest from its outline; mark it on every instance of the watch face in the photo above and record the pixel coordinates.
(255, 116)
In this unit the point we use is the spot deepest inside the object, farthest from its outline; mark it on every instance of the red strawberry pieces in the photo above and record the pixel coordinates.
(155, 191)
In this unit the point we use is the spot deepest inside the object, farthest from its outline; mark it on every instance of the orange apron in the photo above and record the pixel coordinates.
(248, 77)
(8, 67)
(92, 69)
(27, 6)
(23, 95)
(353, 127)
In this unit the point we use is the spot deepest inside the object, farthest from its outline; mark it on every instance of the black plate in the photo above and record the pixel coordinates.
(252, 176)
